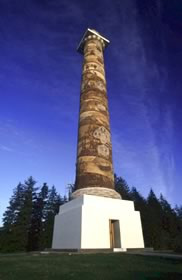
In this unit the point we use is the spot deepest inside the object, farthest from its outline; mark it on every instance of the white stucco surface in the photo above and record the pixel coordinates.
(83, 223)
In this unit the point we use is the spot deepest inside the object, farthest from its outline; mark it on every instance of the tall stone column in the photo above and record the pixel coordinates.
(94, 168)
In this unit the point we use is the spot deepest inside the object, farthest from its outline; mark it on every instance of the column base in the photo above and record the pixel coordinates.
(104, 192)
(97, 223)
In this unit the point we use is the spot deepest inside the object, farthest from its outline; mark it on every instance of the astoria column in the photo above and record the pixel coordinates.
(94, 167)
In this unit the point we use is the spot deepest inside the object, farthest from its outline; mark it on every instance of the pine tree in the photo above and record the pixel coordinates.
(10, 242)
(24, 219)
(141, 206)
(71, 188)
(154, 229)
(122, 187)
(178, 240)
(29, 219)
(52, 208)
(169, 224)
(178, 210)
(38, 219)
(17, 217)
(13, 210)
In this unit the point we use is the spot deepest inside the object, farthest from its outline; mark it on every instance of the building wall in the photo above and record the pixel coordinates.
(84, 224)
(67, 227)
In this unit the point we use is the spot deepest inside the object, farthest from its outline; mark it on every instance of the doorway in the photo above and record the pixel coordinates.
(115, 239)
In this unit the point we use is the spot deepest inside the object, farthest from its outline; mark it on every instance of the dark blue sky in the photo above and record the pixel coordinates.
(40, 73)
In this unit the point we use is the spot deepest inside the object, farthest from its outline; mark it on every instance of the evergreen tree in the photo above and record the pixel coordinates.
(169, 224)
(17, 217)
(29, 219)
(52, 208)
(140, 201)
(154, 228)
(178, 243)
(71, 188)
(13, 210)
(122, 188)
(2, 239)
(38, 219)
(10, 217)
(24, 219)
(140, 205)
(178, 211)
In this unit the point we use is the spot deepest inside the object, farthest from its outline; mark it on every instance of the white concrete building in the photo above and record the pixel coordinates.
(94, 222)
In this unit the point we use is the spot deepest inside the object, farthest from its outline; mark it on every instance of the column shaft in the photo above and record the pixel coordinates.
(94, 168)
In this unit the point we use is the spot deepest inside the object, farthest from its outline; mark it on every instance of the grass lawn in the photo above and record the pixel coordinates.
(87, 267)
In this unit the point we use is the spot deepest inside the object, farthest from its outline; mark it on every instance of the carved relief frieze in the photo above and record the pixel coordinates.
(90, 84)
(93, 51)
(93, 75)
(102, 134)
(100, 60)
(103, 151)
(100, 85)
(94, 151)
(101, 107)
(93, 66)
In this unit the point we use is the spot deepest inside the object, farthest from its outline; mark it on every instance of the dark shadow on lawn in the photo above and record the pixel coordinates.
(167, 276)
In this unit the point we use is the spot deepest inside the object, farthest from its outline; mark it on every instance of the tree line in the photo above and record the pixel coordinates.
(29, 218)
(162, 224)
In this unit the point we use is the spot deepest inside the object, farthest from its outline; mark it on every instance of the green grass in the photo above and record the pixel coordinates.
(87, 267)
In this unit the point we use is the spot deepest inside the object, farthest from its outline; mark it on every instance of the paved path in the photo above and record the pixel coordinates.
(157, 254)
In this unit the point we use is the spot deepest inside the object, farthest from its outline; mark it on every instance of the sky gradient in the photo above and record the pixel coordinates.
(40, 74)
